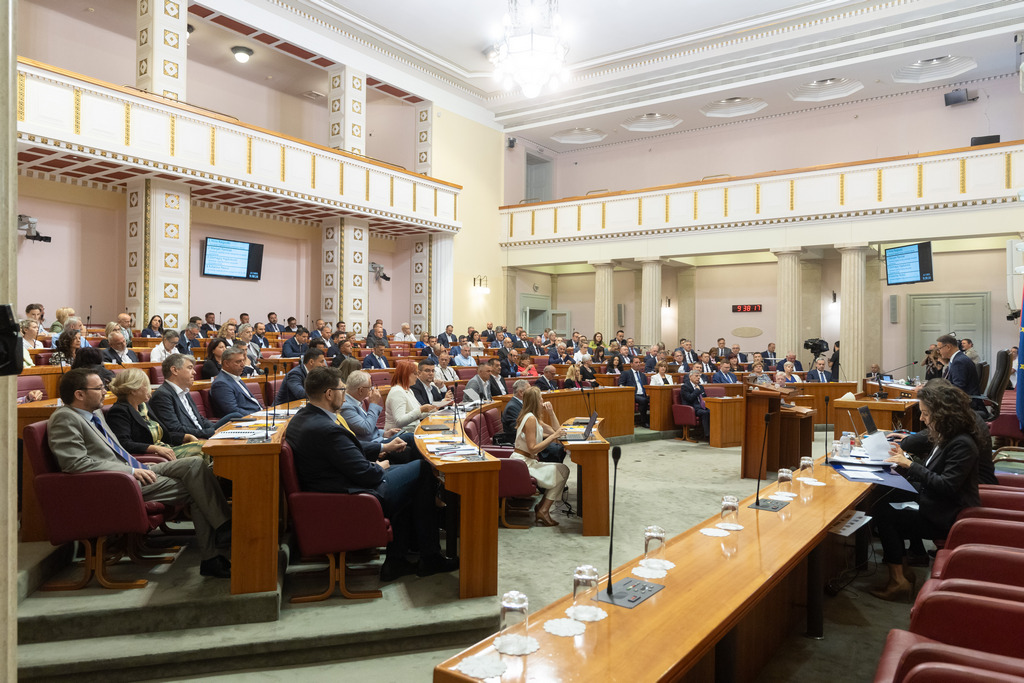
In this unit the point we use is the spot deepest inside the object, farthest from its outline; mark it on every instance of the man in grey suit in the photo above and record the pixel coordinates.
(480, 384)
(363, 422)
(82, 441)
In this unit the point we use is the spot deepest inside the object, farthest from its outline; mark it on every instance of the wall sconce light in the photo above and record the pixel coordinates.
(835, 303)
(480, 284)
(242, 54)
(668, 303)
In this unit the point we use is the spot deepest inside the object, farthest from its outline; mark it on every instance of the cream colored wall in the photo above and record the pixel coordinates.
(471, 155)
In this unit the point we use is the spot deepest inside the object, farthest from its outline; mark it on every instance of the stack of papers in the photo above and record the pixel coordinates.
(452, 449)
(243, 433)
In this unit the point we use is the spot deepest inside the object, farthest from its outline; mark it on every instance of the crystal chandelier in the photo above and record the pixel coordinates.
(532, 52)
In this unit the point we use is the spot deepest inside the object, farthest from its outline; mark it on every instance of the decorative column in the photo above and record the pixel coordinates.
(686, 293)
(442, 291)
(554, 291)
(157, 245)
(650, 303)
(787, 301)
(355, 274)
(419, 295)
(632, 328)
(424, 137)
(852, 327)
(604, 299)
(874, 318)
(160, 47)
(810, 302)
(511, 276)
(332, 288)
(346, 115)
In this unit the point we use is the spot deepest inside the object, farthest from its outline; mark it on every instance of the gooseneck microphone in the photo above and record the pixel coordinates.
(827, 447)
(767, 504)
(616, 454)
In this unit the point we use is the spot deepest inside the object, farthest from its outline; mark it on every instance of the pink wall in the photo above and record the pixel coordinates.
(391, 133)
(400, 287)
(719, 287)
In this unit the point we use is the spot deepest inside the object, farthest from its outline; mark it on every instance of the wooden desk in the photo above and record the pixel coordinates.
(591, 480)
(738, 596)
(817, 391)
(276, 365)
(796, 438)
(891, 390)
(887, 414)
(661, 406)
(726, 420)
(613, 404)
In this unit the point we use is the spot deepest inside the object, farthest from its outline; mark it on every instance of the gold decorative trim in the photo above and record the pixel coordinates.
(963, 176)
(695, 205)
(146, 229)
(455, 207)
(248, 155)
(666, 207)
(639, 210)
(510, 225)
(920, 181)
(1009, 172)
(757, 195)
(414, 186)
(367, 185)
(556, 220)
(579, 218)
(435, 202)
(792, 195)
(603, 207)
(533, 222)
(213, 146)
(878, 184)
(312, 171)
(391, 191)
(172, 135)
(127, 124)
(282, 163)
(341, 178)
(725, 201)
(430, 279)
(21, 97)
(78, 111)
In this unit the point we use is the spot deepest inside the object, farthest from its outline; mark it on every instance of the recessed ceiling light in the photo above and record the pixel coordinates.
(651, 122)
(825, 81)
(825, 89)
(731, 100)
(932, 61)
(579, 136)
(934, 69)
(242, 54)
(733, 106)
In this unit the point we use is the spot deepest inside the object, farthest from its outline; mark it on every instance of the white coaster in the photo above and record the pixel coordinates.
(784, 494)
(657, 564)
(586, 613)
(711, 531)
(780, 498)
(729, 526)
(814, 482)
(482, 666)
(451, 458)
(564, 627)
(806, 480)
(645, 573)
(516, 645)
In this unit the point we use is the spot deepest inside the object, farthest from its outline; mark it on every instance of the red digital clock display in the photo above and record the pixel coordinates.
(746, 308)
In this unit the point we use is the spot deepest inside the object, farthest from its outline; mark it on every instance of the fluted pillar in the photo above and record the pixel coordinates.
(442, 293)
(511, 276)
(686, 296)
(787, 301)
(604, 299)
(852, 307)
(650, 303)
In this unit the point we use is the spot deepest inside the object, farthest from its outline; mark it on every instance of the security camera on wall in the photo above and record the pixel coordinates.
(29, 225)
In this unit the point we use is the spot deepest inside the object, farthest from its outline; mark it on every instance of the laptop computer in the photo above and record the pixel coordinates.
(869, 422)
(585, 436)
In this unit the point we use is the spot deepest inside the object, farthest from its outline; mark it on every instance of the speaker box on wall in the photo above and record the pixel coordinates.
(620, 315)
(894, 308)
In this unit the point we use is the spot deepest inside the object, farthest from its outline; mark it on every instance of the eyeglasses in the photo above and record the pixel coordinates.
(341, 388)
(103, 389)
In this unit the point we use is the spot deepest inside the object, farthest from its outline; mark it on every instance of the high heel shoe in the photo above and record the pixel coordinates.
(544, 519)
(895, 592)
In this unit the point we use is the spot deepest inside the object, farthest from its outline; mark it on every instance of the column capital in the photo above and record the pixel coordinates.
(787, 250)
(602, 263)
(649, 259)
(853, 246)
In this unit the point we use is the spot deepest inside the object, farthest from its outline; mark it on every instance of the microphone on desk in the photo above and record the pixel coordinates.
(616, 454)
(766, 504)
(88, 318)
(827, 447)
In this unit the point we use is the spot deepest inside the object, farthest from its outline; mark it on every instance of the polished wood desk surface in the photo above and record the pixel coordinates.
(591, 457)
(888, 414)
(716, 582)
(891, 390)
(613, 404)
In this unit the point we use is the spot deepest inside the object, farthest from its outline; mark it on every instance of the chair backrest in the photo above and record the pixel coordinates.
(197, 371)
(27, 383)
(289, 475)
(493, 418)
(677, 395)
(380, 378)
(465, 373)
(270, 390)
(200, 401)
(206, 404)
(156, 374)
(37, 448)
(999, 377)
(143, 356)
(43, 358)
(472, 428)
(983, 373)
(714, 391)
(540, 362)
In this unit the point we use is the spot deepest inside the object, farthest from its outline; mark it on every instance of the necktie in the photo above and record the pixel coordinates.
(700, 399)
(339, 420)
(189, 411)
(116, 447)
(639, 385)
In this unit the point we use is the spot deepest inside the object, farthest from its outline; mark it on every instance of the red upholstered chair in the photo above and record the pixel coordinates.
(200, 400)
(89, 507)
(683, 415)
(984, 631)
(142, 355)
(43, 358)
(941, 672)
(540, 362)
(269, 353)
(156, 374)
(514, 480)
(714, 391)
(197, 371)
(465, 373)
(27, 383)
(990, 563)
(270, 390)
(332, 524)
(996, 532)
(380, 378)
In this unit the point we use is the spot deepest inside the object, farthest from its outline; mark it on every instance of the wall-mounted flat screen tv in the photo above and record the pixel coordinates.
(228, 258)
(909, 264)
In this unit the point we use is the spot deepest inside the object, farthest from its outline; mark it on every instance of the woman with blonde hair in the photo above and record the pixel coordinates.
(661, 376)
(62, 317)
(533, 435)
(130, 421)
(572, 378)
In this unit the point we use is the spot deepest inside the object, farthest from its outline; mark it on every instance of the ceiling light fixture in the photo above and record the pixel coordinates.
(532, 52)
(242, 54)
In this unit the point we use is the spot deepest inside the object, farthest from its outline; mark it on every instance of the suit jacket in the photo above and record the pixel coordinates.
(293, 349)
(363, 423)
(691, 357)
(293, 387)
(274, 327)
(780, 362)
(373, 361)
(329, 458)
(690, 395)
(543, 384)
(628, 379)
(815, 376)
(185, 346)
(446, 340)
(519, 344)
(372, 340)
(769, 358)
(206, 328)
(228, 397)
(650, 362)
(260, 341)
(110, 356)
(476, 384)
(510, 415)
(339, 359)
(211, 368)
(79, 446)
(497, 386)
(726, 378)
(166, 408)
(949, 481)
(426, 394)
(508, 368)
(488, 335)
(963, 373)
(131, 430)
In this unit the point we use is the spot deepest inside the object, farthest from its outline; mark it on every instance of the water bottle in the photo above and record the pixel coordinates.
(846, 444)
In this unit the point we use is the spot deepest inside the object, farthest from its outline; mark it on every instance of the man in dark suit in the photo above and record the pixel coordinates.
(272, 324)
(189, 339)
(724, 374)
(330, 459)
(426, 390)
(345, 352)
(689, 355)
(488, 334)
(259, 336)
(791, 358)
(651, 359)
(635, 377)
(522, 341)
(297, 345)
(704, 365)
(209, 326)
(960, 370)
(117, 350)
(447, 338)
(496, 383)
(819, 373)
(82, 441)
(769, 356)
(548, 381)
(292, 386)
(743, 358)
(172, 406)
(510, 364)
(228, 392)
(376, 360)
(692, 393)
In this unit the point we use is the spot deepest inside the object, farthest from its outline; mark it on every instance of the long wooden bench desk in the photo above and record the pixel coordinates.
(591, 458)
(613, 404)
(726, 606)
(888, 414)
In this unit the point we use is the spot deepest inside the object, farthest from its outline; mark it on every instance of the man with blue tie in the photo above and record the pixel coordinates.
(376, 360)
(819, 373)
(228, 392)
(635, 377)
(724, 374)
(272, 324)
(297, 345)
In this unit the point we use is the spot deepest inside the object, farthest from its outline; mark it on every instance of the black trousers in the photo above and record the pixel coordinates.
(896, 527)
(642, 405)
(704, 416)
(408, 501)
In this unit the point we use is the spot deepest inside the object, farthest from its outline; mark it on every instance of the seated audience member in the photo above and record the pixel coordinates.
(405, 334)
(704, 365)
(614, 366)
(35, 312)
(721, 351)
(758, 375)
(447, 338)
(442, 372)
(190, 338)
(757, 358)
(168, 345)
(297, 345)
(228, 393)
(587, 372)
(378, 444)
(401, 409)
(29, 331)
(548, 381)
(345, 352)
(691, 393)
(334, 345)
(734, 365)
(634, 377)
(572, 378)
(496, 383)
(318, 343)
(377, 337)
(347, 367)
(690, 356)
(650, 359)
(559, 353)
(209, 327)
(661, 376)
(243, 319)
(475, 341)
(259, 336)
(228, 331)
(63, 313)
(214, 352)
(935, 368)
(253, 353)
(788, 371)
(526, 366)
(724, 374)
(136, 430)
(819, 373)
(112, 326)
(427, 389)
(294, 381)
(376, 360)
(66, 348)
(464, 359)
(92, 359)
(679, 360)
(741, 358)
(532, 436)
(319, 330)
(507, 347)
(173, 407)
(769, 356)
(791, 358)
(330, 459)
(596, 341)
(82, 441)
(293, 325)
(118, 351)
(72, 323)
(478, 387)
(780, 378)
(272, 324)
(155, 328)
(423, 342)
(510, 363)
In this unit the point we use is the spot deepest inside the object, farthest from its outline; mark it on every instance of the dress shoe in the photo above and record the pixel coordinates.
(394, 569)
(219, 567)
(919, 560)
(897, 592)
(436, 564)
(222, 536)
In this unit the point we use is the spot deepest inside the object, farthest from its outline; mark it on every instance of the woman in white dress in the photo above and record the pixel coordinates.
(533, 435)
(401, 409)
(661, 377)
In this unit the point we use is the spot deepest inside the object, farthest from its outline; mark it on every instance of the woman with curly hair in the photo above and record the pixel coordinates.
(946, 481)
(68, 344)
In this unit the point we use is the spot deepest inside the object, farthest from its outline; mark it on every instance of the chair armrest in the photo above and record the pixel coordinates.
(991, 513)
(1000, 497)
(938, 652)
(1015, 481)
(90, 504)
(985, 563)
(683, 415)
(1002, 591)
(987, 532)
(940, 672)
(499, 451)
(971, 621)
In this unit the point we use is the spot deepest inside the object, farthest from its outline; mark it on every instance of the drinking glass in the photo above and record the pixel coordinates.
(730, 509)
(584, 584)
(514, 624)
(654, 542)
(785, 480)
(807, 467)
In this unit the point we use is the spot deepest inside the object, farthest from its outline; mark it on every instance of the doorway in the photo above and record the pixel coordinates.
(931, 315)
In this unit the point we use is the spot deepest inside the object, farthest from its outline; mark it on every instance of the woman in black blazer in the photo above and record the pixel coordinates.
(129, 420)
(946, 479)
(214, 351)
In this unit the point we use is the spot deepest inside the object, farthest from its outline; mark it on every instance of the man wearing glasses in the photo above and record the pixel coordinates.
(82, 441)
(960, 370)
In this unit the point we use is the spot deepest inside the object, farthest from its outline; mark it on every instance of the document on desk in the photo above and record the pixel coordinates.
(241, 433)
(880, 476)
(862, 474)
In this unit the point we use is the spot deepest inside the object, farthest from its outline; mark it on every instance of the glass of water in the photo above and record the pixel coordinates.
(807, 466)
(654, 542)
(785, 480)
(584, 584)
(513, 624)
(730, 509)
